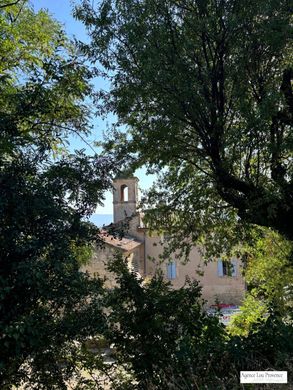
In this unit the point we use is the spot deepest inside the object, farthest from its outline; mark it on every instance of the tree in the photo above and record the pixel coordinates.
(269, 276)
(164, 339)
(204, 90)
(47, 306)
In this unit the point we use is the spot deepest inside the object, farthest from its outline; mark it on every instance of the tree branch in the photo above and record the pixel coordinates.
(286, 87)
(9, 4)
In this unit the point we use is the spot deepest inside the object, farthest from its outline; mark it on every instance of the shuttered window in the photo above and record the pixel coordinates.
(227, 268)
(171, 270)
(220, 268)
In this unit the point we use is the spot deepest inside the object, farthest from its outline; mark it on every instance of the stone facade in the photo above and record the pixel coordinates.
(140, 247)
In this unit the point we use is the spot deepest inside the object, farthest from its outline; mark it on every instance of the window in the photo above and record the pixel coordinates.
(171, 270)
(124, 193)
(227, 268)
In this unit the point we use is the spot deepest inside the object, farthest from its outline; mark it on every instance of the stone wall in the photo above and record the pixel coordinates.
(225, 289)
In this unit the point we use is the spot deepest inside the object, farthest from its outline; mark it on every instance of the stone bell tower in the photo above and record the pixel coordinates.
(125, 197)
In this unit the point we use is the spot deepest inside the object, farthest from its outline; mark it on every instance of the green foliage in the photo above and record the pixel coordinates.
(269, 276)
(204, 90)
(269, 272)
(47, 306)
(267, 346)
(46, 302)
(27, 38)
(43, 83)
(252, 312)
(82, 253)
(161, 335)
(163, 339)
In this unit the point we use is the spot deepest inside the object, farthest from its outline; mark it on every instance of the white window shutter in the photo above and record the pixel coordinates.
(220, 268)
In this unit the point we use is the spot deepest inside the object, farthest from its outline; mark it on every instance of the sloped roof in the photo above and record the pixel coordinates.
(126, 243)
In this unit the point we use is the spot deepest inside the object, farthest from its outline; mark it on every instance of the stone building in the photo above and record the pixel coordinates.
(141, 248)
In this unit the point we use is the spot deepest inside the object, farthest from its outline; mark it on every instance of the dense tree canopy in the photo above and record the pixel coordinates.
(47, 305)
(165, 340)
(204, 89)
(268, 277)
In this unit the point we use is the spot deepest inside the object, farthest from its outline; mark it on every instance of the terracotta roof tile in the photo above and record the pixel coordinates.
(125, 243)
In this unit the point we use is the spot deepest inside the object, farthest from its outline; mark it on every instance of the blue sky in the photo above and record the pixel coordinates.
(62, 11)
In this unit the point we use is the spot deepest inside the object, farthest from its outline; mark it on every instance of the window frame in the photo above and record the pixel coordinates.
(227, 268)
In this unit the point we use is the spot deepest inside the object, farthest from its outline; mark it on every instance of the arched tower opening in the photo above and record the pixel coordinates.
(125, 197)
(124, 193)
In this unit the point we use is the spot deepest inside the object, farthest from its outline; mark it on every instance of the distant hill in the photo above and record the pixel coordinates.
(101, 219)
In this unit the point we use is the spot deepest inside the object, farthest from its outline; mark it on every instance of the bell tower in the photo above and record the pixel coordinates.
(125, 197)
